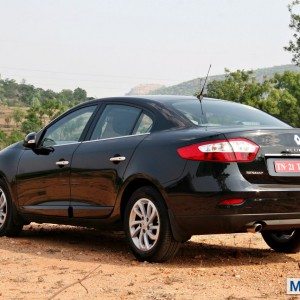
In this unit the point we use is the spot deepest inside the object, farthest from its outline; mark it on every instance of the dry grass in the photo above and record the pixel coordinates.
(7, 123)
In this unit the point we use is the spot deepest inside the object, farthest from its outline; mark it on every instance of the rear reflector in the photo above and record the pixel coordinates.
(236, 201)
(231, 150)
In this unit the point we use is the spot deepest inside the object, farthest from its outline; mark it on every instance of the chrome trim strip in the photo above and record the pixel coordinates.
(118, 137)
(283, 155)
(58, 145)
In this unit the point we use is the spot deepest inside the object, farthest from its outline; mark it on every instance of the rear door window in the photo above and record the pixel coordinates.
(116, 121)
(144, 124)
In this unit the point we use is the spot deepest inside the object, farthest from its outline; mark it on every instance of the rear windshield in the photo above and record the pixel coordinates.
(223, 113)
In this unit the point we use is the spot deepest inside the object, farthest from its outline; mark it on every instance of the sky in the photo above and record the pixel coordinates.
(109, 46)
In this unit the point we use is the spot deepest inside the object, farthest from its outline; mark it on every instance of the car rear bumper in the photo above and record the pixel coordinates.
(184, 226)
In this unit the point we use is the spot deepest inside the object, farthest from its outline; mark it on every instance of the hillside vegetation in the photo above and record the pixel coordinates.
(25, 108)
(23, 94)
(274, 90)
(191, 87)
(278, 96)
(144, 89)
(7, 122)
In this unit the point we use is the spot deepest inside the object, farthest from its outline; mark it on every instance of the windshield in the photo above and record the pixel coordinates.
(223, 113)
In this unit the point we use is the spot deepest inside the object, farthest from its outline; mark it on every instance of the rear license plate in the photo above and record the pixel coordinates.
(287, 166)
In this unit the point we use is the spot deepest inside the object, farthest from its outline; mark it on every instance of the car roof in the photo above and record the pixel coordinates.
(143, 99)
(156, 103)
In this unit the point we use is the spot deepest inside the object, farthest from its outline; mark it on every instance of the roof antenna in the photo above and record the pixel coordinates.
(200, 96)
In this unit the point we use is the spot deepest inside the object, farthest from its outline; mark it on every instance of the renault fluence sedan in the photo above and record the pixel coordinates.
(162, 168)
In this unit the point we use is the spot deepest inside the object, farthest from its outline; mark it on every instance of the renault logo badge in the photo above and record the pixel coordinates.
(297, 139)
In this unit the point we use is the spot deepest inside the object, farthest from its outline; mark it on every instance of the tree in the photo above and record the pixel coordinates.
(79, 95)
(66, 97)
(18, 115)
(2, 91)
(44, 106)
(23, 94)
(33, 122)
(280, 104)
(41, 113)
(240, 86)
(278, 96)
(289, 81)
(48, 109)
(2, 139)
(26, 93)
(294, 44)
(10, 91)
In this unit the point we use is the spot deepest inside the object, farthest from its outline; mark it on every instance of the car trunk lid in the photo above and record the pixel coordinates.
(278, 160)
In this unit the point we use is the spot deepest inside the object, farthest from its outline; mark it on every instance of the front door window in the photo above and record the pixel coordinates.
(69, 129)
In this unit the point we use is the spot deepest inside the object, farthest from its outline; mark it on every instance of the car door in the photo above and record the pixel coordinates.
(43, 177)
(99, 163)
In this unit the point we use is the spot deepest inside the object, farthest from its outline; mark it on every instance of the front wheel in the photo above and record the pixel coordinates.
(147, 226)
(283, 241)
(10, 223)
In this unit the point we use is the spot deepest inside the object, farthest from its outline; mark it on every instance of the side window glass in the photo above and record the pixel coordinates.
(116, 121)
(68, 129)
(144, 124)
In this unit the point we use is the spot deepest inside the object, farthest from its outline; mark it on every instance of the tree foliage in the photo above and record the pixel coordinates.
(279, 96)
(22, 94)
(43, 106)
(294, 43)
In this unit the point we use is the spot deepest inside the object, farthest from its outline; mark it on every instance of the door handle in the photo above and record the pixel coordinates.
(117, 158)
(62, 163)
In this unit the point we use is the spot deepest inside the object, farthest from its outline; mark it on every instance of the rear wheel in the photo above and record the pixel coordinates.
(10, 223)
(283, 241)
(147, 226)
(187, 239)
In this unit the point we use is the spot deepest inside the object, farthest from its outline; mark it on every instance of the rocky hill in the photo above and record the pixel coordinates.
(145, 89)
(193, 86)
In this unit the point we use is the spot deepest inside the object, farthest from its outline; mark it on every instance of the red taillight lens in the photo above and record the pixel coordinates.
(234, 201)
(231, 150)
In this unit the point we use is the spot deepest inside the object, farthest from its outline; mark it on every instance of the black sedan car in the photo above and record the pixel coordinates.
(163, 168)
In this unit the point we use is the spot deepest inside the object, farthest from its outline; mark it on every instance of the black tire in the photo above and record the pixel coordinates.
(187, 239)
(165, 246)
(283, 241)
(12, 225)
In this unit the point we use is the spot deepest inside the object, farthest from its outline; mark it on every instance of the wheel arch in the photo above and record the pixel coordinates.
(3, 177)
(134, 183)
(6, 181)
(137, 182)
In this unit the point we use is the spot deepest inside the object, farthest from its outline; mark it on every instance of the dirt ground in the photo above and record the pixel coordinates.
(63, 262)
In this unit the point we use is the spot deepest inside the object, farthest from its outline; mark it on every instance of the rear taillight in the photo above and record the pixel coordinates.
(232, 202)
(231, 150)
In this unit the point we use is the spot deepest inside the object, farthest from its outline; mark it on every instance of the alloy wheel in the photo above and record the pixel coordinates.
(3, 208)
(144, 224)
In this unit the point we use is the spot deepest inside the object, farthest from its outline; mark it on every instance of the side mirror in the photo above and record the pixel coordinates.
(30, 141)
